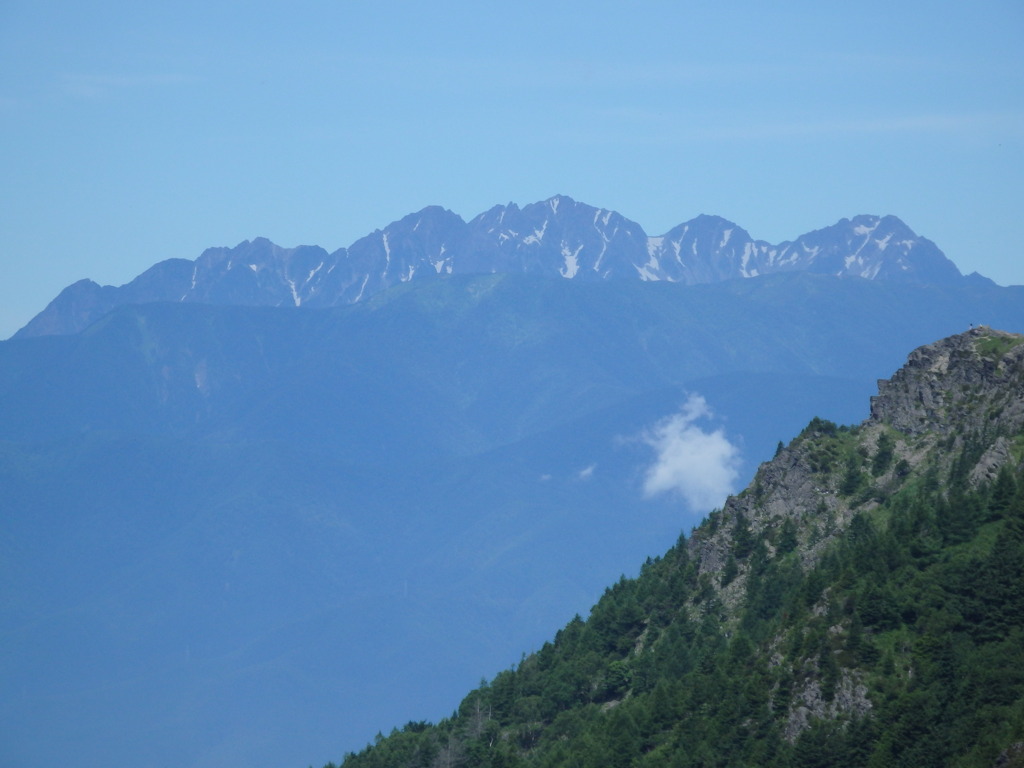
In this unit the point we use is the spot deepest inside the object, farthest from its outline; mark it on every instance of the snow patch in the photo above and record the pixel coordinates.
(872, 270)
(745, 260)
(861, 247)
(651, 271)
(439, 264)
(295, 293)
(537, 236)
(725, 238)
(366, 279)
(553, 202)
(600, 256)
(312, 272)
(654, 245)
(572, 264)
(786, 256)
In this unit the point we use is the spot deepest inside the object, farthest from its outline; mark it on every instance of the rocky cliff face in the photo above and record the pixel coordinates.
(961, 397)
(967, 388)
(970, 381)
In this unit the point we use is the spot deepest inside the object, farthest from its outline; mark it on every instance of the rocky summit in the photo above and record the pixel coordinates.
(964, 393)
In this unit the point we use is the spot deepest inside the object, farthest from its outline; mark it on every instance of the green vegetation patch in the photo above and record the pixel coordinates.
(995, 347)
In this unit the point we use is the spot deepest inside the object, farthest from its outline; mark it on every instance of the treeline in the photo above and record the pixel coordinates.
(903, 646)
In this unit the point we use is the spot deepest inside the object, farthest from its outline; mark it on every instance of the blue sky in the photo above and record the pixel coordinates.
(136, 132)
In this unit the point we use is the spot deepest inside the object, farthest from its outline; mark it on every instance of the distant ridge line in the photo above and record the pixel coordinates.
(558, 237)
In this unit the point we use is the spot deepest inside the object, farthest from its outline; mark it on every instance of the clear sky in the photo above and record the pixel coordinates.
(134, 132)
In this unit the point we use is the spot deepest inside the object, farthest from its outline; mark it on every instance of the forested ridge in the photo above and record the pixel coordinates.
(860, 604)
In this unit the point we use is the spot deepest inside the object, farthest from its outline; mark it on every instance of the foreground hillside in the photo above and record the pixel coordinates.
(859, 604)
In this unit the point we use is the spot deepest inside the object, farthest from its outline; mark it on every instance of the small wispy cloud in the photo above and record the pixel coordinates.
(700, 466)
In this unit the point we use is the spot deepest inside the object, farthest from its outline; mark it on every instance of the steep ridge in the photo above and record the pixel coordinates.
(558, 237)
(859, 604)
(962, 394)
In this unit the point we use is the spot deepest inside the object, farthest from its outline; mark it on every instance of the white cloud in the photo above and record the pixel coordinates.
(700, 466)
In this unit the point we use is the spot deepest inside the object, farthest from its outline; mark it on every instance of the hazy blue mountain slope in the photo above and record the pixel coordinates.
(857, 604)
(222, 524)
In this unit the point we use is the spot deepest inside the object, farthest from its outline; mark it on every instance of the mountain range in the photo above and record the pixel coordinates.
(241, 529)
(558, 237)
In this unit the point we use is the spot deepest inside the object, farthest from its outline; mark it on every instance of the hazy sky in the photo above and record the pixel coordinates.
(135, 132)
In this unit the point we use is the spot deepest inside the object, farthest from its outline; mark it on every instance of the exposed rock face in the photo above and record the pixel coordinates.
(966, 390)
(1012, 756)
(968, 386)
(991, 461)
(850, 698)
(788, 486)
(971, 379)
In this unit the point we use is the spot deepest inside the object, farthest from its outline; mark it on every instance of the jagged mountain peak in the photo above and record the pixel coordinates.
(556, 201)
(872, 247)
(707, 225)
(871, 226)
(430, 216)
(559, 208)
(709, 220)
(556, 237)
